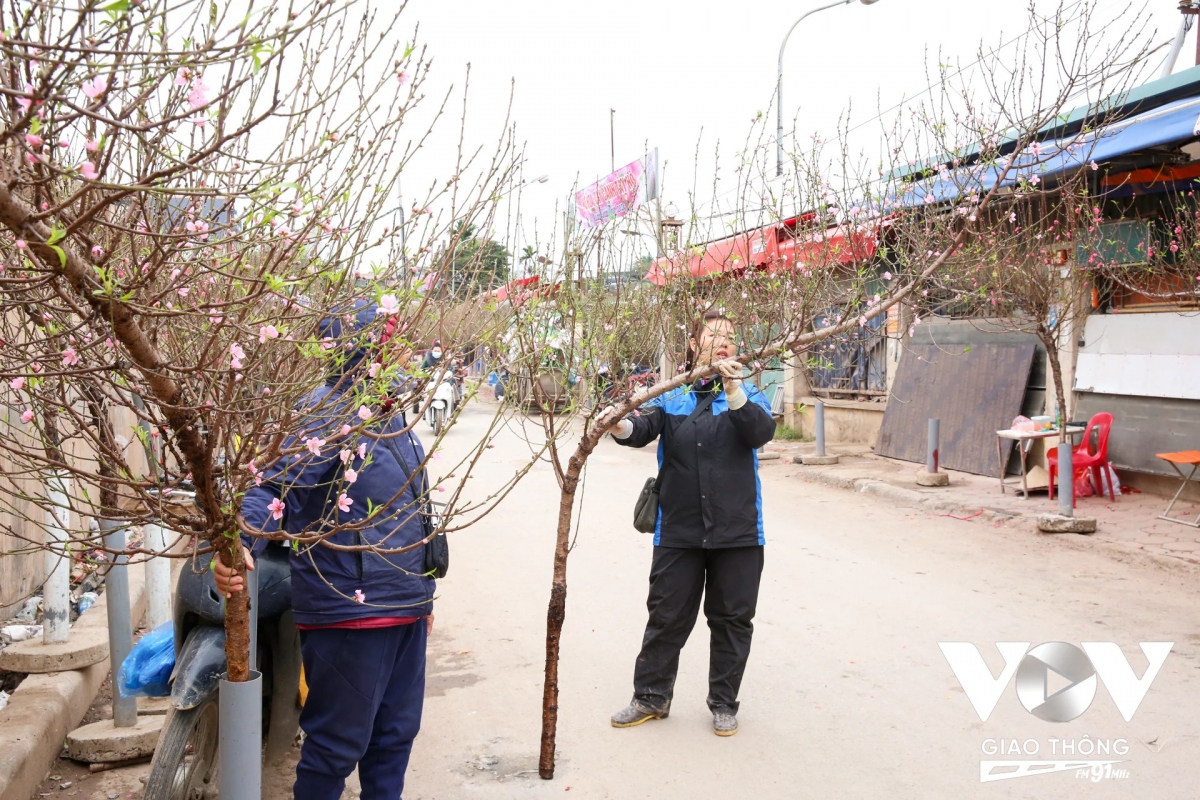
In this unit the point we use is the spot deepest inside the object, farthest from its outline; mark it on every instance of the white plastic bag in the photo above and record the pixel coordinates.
(1108, 475)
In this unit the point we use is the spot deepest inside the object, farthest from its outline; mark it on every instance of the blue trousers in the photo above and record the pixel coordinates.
(366, 689)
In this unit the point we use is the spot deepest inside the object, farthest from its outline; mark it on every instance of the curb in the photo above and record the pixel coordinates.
(46, 707)
(1119, 551)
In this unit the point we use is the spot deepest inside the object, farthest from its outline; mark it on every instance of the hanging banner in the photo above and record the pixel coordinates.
(619, 193)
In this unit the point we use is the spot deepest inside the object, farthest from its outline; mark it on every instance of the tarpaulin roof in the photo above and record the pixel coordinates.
(1172, 123)
(1138, 99)
(770, 247)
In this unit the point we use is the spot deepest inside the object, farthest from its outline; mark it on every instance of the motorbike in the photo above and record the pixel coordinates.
(441, 405)
(185, 762)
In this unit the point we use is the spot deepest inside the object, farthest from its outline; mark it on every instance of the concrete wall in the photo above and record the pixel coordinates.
(22, 568)
(846, 421)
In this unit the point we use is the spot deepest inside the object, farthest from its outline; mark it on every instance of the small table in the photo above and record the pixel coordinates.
(1186, 457)
(1023, 441)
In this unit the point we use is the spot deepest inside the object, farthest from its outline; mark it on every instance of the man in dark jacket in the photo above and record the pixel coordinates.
(364, 616)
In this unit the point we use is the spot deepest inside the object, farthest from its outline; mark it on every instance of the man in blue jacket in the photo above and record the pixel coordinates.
(364, 616)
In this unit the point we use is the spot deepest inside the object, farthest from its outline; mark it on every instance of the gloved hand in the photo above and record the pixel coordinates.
(621, 430)
(730, 371)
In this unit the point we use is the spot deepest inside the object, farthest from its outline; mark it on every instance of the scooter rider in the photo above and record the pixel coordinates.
(364, 616)
(433, 357)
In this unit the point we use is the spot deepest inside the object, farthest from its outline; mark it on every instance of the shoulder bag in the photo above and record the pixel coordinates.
(645, 510)
(437, 548)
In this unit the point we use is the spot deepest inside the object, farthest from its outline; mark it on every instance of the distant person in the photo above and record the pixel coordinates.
(709, 536)
(433, 357)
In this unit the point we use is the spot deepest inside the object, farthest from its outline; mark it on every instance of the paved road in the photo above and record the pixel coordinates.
(847, 694)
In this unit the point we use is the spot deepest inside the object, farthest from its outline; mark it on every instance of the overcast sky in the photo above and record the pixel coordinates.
(679, 73)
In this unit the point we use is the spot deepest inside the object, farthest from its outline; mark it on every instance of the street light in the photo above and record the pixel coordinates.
(779, 77)
(517, 232)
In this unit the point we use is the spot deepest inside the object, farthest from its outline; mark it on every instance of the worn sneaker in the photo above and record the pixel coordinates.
(635, 714)
(724, 724)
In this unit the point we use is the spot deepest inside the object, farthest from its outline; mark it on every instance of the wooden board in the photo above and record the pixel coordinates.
(974, 392)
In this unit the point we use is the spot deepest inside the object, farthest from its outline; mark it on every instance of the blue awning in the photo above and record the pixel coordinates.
(1175, 122)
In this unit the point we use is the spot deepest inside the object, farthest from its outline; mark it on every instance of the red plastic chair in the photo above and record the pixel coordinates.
(1083, 459)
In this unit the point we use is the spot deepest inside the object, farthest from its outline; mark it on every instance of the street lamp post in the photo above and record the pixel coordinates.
(517, 232)
(779, 77)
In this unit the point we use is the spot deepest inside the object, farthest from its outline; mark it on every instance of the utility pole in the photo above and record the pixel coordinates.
(612, 146)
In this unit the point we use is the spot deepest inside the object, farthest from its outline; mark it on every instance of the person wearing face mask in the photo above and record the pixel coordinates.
(708, 540)
(433, 357)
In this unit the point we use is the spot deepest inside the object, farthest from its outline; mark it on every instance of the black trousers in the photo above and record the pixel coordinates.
(728, 579)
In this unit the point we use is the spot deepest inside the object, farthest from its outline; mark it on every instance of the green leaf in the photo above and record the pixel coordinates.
(116, 6)
(62, 255)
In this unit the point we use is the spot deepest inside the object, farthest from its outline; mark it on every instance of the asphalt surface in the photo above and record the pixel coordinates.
(847, 693)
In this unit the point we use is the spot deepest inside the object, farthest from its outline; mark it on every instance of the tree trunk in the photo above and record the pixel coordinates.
(237, 615)
(557, 611)
(1060, 396)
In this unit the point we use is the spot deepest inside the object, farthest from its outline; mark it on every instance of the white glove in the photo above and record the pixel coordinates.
(730, 371)
(621, 430)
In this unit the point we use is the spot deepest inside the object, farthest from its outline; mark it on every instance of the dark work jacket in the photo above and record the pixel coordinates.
(324, 580)
(710, 495)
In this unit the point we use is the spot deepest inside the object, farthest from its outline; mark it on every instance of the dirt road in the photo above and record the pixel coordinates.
(847, 693)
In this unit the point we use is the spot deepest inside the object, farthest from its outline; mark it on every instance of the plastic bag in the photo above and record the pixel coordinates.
(146, 671)
(1108, 475)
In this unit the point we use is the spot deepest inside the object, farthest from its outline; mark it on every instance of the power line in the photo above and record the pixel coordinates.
(771, 140)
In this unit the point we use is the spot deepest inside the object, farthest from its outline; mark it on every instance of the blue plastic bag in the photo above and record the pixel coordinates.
(146, 671)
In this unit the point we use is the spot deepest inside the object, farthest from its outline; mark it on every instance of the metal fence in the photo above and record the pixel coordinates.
(853, 364)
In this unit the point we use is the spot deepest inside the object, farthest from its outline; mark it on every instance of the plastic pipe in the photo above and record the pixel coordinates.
(56, 591)
(1066, 480)
(158, 577)
(931, 450)
(819, 419)
(120, 626)
(240, 748)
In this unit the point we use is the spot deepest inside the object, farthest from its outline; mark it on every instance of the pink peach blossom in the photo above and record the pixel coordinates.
(277, 507)
(95, 87)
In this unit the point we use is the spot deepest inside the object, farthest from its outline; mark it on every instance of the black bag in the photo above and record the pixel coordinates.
(645, 510)
(437, 548)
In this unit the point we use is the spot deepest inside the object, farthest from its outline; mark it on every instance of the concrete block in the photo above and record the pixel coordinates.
(815, 461)
(153, 705)
(1053, 523)
(768, 456)
(85, 647)
(44, 708)
(933, 479)
(102, 741)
